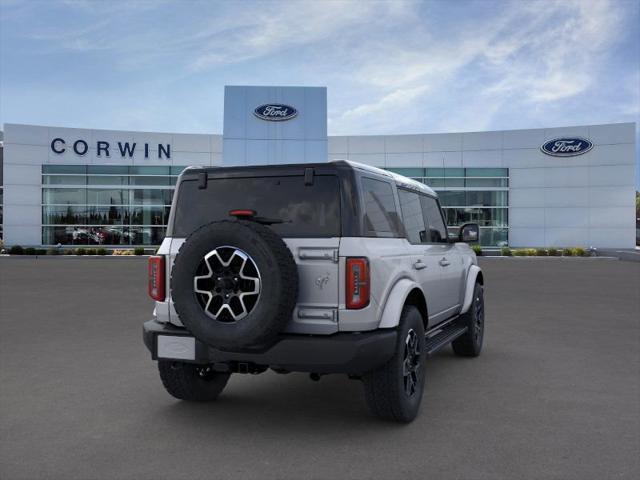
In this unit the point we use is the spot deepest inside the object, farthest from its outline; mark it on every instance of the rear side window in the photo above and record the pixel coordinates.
(305, 210)
(380, 215)
(437, 232)
(414, 223)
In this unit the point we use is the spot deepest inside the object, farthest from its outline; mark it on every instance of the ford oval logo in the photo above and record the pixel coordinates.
(566, 146)
(275, 112)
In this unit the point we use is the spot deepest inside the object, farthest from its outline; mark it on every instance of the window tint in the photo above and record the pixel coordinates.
(433, 218)
(408, 172)
(146, 170)
(64, 195)
(305, 210)
(452, 198)
(107, 170)
(78, 169)
(380, 214)
(107, 180)
(484, 198)
(64, 179)
(487, 172)
(485, 217)
(152, 197)
(107, 196)
(412, 216)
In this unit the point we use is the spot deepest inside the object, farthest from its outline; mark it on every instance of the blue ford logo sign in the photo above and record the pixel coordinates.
(566, 146)
(275, 112)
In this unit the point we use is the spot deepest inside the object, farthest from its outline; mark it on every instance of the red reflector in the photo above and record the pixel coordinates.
(358, 282)
(156, 278)
(242, 213)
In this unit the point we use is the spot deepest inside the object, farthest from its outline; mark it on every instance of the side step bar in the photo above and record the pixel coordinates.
(439, 339)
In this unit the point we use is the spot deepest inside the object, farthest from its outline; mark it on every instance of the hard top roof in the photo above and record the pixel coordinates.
(400, 180)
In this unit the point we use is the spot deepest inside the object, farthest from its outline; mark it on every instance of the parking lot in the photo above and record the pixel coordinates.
(555, 393)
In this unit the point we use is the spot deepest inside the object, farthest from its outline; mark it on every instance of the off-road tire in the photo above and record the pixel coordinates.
(470, 343)
(278, 277)
(187, 381)
(384, 388)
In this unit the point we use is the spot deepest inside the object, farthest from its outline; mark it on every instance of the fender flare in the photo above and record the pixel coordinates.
(395, 302)
(474, 271)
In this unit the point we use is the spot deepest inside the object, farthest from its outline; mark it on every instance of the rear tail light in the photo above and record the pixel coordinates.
(358, 282)
(156, 278)
(242, 212)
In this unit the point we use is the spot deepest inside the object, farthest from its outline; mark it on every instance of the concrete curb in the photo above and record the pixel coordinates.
(546, 258)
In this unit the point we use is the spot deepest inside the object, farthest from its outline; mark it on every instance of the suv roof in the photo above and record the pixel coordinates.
(298, 168)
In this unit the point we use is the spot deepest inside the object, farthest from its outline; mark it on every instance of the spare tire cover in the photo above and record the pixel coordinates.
(234, 284)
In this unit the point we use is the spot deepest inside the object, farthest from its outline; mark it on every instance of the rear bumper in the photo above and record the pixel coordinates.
(351, 353)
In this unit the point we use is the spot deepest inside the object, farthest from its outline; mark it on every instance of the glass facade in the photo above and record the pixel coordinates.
(478, 195)
(129, 205)
(106, 204)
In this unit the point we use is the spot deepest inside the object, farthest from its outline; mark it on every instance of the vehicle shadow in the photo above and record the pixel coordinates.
(292, 404)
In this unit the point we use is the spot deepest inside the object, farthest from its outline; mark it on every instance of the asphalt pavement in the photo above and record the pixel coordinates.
(554, 395)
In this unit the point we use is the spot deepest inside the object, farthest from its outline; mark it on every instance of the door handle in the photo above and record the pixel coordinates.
(444, 262)
(418, 265)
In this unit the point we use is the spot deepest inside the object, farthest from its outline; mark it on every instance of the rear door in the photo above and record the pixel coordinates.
(424, 254)
(305, 213)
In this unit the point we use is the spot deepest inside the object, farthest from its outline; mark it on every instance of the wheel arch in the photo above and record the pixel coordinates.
(404, 292)
(474, 275)
(416, 298)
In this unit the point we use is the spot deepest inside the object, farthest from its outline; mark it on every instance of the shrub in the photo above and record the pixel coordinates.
(29, 251)
(553, 252)
(41, 251)
(521, 252)
(477, 249)
(541, 252)
(101, 251)
(122, 252)
(91, 251)
(138, 251)
(506, 252)
(567, 252)
(81, 251)
(580, 252)
(68, 251)
(54, 251)
(16, 250)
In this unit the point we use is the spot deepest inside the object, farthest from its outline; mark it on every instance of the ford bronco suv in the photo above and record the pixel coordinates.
(323, 268)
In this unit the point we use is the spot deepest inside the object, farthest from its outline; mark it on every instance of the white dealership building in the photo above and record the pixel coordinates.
(544, 187)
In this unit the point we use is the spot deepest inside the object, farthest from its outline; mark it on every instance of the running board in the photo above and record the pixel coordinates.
(442, 338)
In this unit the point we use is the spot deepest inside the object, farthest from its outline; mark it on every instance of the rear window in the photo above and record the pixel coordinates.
(306, 210)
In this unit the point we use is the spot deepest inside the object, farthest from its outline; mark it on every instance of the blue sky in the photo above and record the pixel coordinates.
(390, 67)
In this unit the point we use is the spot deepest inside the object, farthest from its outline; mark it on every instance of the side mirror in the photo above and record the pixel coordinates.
(469, 233)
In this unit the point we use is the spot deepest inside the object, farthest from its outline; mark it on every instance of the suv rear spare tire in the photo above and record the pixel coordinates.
(234, 284)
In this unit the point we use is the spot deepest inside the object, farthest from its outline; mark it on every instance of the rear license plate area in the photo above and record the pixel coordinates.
(176, 347)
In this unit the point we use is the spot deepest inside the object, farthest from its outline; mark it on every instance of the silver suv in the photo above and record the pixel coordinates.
(321, 268)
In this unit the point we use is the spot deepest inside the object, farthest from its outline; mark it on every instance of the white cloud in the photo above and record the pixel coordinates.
(551, 56)
(285, 26)
(398, 97)
(530, 52)
(390, 66)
